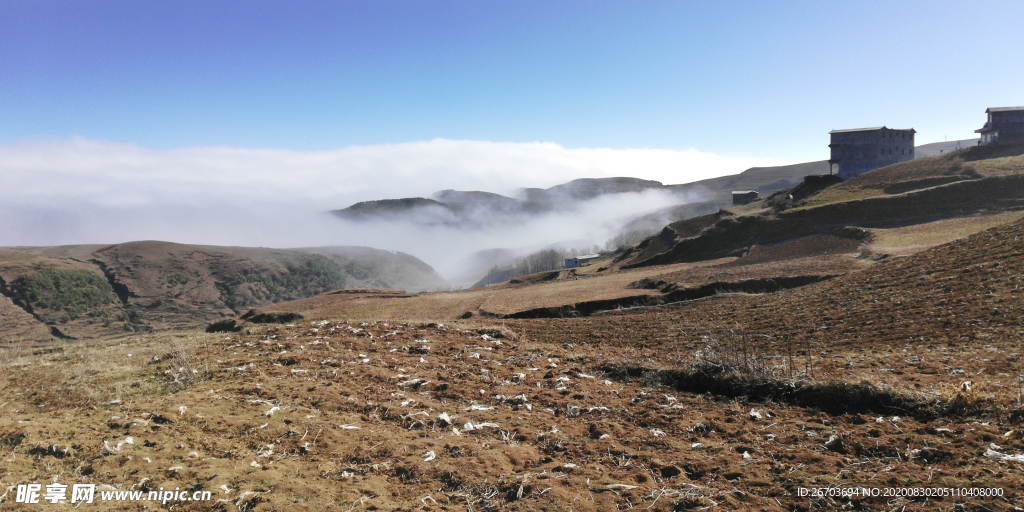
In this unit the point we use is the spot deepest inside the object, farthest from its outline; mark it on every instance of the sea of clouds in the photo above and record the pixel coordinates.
(83, 191)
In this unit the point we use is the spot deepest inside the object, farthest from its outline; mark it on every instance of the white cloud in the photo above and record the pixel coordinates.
(86, 191)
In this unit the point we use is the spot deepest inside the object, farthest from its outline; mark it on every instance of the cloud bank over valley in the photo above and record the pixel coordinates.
(83, 191)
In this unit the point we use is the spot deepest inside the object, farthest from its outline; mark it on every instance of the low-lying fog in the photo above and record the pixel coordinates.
(88, 192)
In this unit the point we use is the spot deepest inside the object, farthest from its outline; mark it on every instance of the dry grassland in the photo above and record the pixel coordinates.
(874, 183)
(912, 239)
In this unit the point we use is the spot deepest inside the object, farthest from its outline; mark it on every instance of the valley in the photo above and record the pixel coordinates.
(861, 334)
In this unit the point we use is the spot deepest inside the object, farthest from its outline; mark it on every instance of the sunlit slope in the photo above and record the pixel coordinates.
(76, 292)
(980, 181)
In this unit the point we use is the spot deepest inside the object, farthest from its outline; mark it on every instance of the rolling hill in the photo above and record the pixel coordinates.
(88, 291)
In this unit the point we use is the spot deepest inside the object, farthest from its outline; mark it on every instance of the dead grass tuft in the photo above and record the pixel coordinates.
(181, 365)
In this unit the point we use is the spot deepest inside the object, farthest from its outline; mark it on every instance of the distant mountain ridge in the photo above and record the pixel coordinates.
(475, 207)
(459, 207)
(468, 208)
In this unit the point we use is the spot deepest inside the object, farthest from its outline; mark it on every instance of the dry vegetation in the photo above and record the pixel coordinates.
(912, 239)
(916, 175)
(857, 381)
(903, 372)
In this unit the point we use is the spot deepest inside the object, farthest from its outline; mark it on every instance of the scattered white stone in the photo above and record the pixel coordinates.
(624, 487)
(476, 426)
(429, 456)
(756, 415)
(444, 418)
(658, 432)
(1000, 456)
(127, 440)
(271, 411)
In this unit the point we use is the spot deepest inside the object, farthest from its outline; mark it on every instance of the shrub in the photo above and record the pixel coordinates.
(317, 274)
(62, 293)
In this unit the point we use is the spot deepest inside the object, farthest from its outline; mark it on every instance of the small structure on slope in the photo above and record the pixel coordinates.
(576, 261)
(861, 150)
(744, 196)
(1004, 124)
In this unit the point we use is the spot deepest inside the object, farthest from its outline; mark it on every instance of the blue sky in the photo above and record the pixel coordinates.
(744, 79)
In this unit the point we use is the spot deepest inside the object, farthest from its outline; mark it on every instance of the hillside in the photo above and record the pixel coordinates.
(87, 291)
(830, 229)
(865, 333)
(977, 181)
(903, 375)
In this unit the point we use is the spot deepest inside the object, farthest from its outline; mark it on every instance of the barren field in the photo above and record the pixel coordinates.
(905, 375)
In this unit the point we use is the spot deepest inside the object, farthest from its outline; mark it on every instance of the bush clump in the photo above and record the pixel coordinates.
(52, 293)
(317, 274)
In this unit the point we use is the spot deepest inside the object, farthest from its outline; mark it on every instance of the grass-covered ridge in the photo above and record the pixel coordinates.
(59, 295)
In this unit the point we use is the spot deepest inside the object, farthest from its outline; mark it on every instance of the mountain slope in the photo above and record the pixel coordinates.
(964, 183)
(87, 291)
